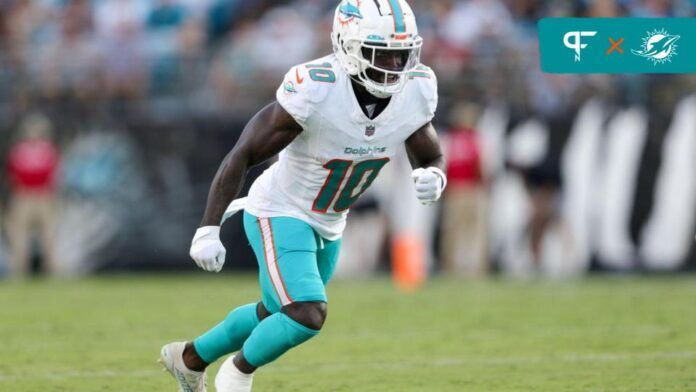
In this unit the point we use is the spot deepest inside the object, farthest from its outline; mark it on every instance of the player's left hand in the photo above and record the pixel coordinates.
(429, 183)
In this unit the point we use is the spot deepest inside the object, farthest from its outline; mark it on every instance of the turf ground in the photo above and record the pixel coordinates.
(600, 334)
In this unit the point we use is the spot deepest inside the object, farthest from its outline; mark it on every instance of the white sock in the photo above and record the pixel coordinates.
(231, 379)
(241, 375)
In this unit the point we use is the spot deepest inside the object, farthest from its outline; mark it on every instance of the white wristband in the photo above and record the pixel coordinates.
(206, 231)
(440, 173)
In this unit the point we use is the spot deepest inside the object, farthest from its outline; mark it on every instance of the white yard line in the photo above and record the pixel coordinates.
(442, 362)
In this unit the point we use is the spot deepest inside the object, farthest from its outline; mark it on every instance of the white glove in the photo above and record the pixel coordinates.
(429, 183)
(207, 250)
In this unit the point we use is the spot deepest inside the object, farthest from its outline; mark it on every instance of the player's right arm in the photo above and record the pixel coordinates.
(267, 133)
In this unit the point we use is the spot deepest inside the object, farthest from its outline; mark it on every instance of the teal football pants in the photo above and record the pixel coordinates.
(295, 264)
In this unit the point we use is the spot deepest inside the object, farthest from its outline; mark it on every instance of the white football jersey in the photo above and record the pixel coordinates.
(340, 151)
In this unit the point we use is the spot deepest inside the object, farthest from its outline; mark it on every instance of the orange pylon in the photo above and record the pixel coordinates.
(408, 261)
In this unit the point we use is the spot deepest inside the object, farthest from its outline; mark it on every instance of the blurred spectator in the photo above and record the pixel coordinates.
(119, 24)
(653, 8)
(164, 26)
(191, 61)
(25, 20)
(166, 14)
(232, 69)
(471, 20)
(463, 239)
(284, 30)
(32, 166)
(603, 9)
(113, 17)
(197, 8)
(69, 63)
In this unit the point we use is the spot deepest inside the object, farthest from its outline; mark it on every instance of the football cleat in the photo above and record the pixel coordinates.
(171, 357)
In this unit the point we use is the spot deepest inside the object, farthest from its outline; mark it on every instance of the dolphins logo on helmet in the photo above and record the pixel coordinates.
(659, 47)
(349, 12)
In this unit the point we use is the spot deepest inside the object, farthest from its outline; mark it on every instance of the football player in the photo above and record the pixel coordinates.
(336, 122)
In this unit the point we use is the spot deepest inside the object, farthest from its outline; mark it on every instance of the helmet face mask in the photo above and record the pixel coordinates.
(370, 50)
(388, 65)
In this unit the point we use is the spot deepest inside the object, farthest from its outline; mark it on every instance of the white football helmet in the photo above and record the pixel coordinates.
(377, 43)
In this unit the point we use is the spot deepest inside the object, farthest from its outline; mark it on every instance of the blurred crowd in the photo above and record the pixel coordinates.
(115, 113)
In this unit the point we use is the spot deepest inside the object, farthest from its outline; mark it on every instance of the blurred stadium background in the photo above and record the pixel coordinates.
(114, 116)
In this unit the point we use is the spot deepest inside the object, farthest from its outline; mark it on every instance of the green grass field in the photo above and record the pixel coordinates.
(600, 334)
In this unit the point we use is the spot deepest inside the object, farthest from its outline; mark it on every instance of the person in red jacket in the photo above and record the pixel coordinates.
(463, 238)
(32, 165)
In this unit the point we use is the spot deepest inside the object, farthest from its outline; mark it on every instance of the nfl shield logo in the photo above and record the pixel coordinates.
(370, 131)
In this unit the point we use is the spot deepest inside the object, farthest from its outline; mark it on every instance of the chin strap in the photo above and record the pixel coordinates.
(377, 93)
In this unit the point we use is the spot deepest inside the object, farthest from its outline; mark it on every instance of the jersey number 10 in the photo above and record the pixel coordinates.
(321, 73)
(361, 177)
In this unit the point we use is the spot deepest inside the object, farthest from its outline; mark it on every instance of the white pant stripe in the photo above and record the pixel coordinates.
(271, 262)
